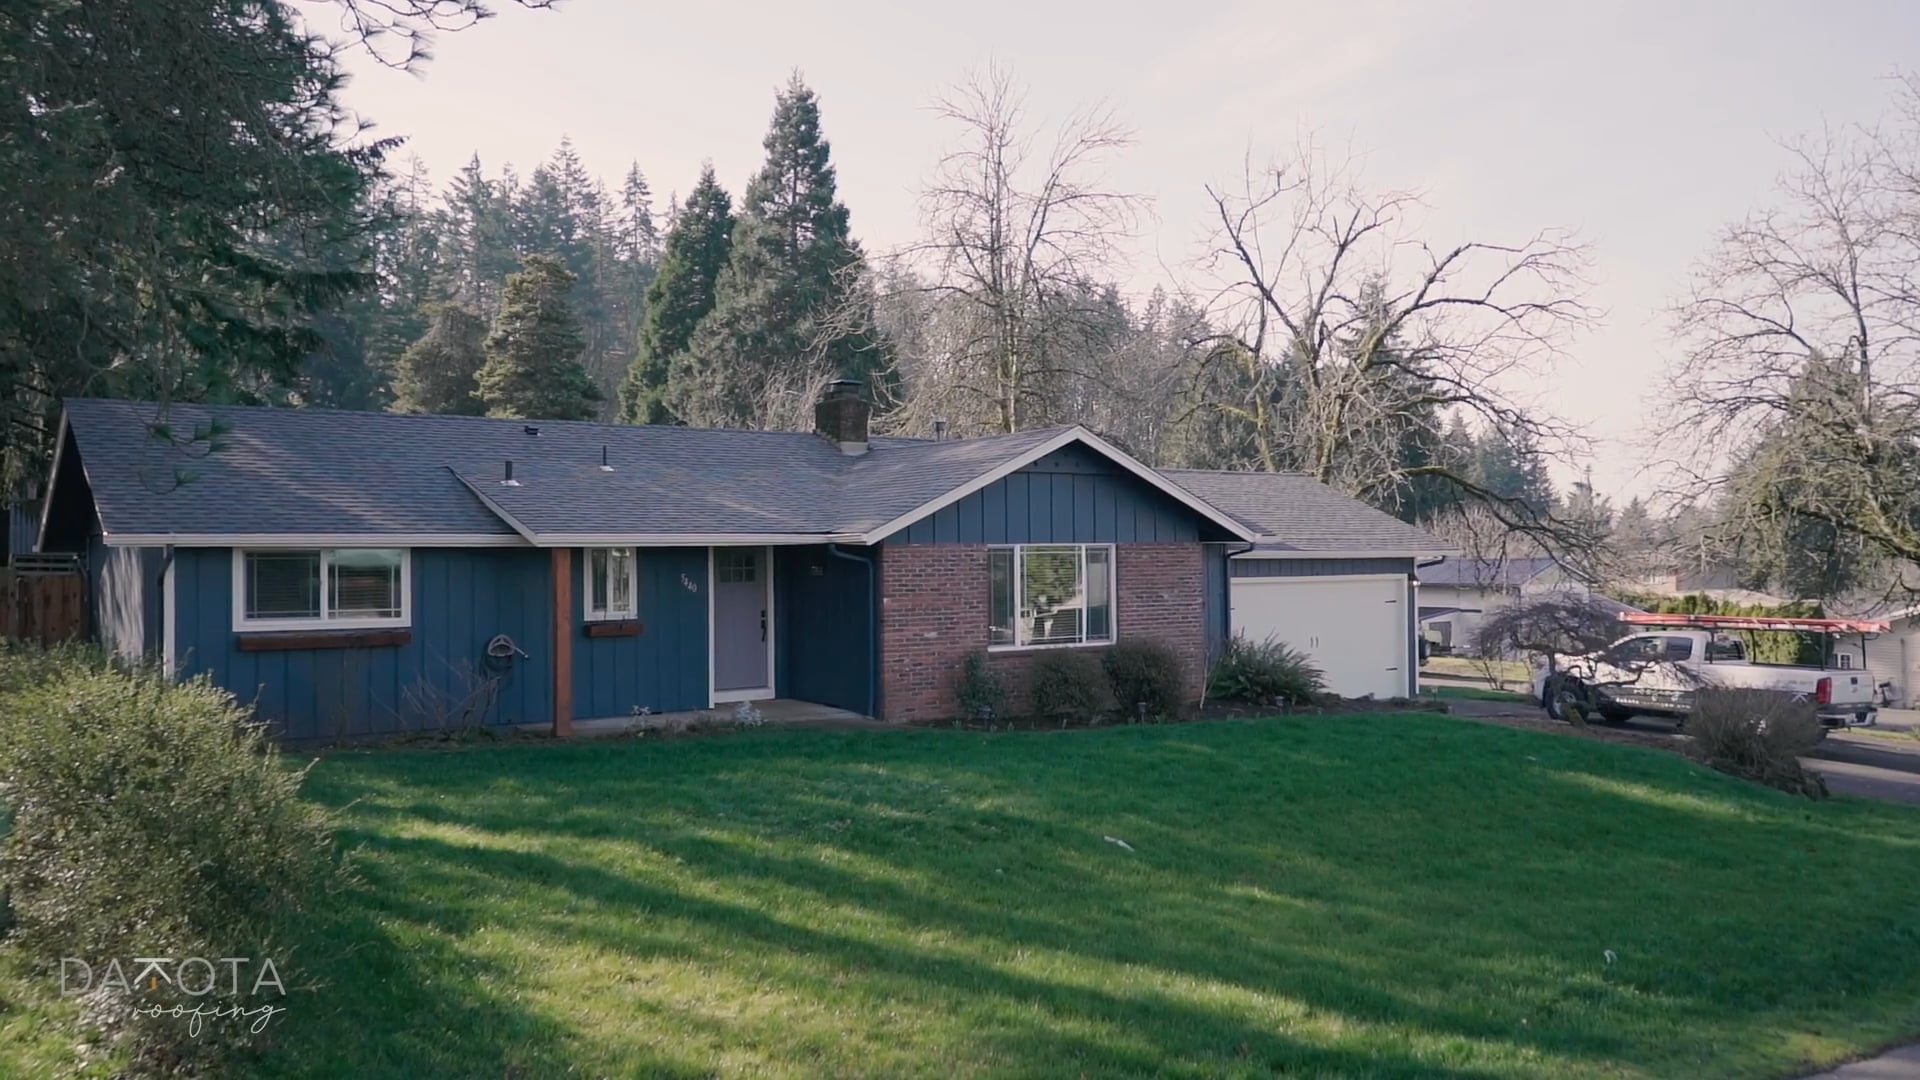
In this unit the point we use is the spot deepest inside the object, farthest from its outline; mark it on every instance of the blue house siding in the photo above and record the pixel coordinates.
(664, 667)
(1074, 496)
(826, 644)
(461, 599)
(1219, 609)
(123, 590)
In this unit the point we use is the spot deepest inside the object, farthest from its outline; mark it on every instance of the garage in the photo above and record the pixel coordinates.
(1354, 627)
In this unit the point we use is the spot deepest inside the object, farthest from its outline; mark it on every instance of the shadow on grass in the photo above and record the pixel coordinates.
(1420, 899)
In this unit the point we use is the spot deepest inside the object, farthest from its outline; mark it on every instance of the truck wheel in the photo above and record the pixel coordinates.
(1560, 694)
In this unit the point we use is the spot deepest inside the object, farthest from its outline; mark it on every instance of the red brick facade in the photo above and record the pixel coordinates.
(933, 611)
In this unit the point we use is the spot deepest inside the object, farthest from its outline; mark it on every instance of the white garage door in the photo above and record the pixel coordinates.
(1354, 628)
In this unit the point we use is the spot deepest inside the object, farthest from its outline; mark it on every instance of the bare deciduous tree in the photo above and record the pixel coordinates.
(1017, 241)
(1344, 332)
(1796, 405)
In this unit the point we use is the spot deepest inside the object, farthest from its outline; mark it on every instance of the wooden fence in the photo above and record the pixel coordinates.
(42, 607)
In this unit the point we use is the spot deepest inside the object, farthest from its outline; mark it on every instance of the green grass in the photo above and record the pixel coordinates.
(1469, 668)
(1319, 897)
(1476, 693)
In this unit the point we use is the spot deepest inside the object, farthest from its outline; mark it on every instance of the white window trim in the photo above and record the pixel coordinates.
(626, 614)
(1019, 598)
(242, 622)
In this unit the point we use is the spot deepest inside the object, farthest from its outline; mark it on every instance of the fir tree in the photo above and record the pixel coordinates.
(680, 295)
(478, 248)
(788, 273)
(437, 373)
(533, 368)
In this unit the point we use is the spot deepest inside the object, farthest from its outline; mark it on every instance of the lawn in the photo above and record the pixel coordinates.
(1328, 897)
(1466, 667)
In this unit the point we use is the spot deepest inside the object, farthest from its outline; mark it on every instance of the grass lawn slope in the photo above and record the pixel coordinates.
(1325, 897)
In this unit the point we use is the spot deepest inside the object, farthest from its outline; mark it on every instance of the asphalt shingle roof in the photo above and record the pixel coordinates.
(292, 471)
(1296, 514)
(1511, 573)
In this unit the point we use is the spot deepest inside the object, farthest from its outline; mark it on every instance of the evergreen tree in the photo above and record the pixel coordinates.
(639, 237)
(533, 368)
(787, 278)
(437, 374)
(478, 244)
(181, 203)
(680, 295)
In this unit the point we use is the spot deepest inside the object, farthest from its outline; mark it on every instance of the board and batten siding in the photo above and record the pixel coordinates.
(1072, 496)
(826, 645)
(461, 599)
(1272, 568)
(663, 668)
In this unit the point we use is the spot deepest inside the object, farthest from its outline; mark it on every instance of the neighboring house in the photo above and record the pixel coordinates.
(19, 520)
(363, 573)
(1455, 595)
(1718, 583)
(1329, 575)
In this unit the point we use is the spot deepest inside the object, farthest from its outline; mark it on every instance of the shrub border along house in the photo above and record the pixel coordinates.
(357, 574)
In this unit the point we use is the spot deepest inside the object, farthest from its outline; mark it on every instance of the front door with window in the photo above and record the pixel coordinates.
(741, 623)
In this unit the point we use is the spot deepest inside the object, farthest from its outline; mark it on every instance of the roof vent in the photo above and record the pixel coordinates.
(939, 428)
(508, 480)
(605, 465)
(531, 429)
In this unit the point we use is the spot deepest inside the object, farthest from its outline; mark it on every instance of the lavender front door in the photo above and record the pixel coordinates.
(741, 623)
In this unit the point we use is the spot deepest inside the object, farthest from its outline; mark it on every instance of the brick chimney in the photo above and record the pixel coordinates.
(841, 417)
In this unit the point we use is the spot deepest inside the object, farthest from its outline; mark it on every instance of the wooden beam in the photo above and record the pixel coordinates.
(562, 642)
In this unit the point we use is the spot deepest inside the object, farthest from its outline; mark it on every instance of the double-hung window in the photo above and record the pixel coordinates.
(612, 591)
(320, 588)
(1050, 594)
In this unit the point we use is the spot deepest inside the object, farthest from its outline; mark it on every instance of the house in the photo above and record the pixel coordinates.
(1457, 593)
(1327, 574)
(366, 573)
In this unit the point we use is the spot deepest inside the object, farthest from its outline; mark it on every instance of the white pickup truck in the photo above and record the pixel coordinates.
(1656, 672)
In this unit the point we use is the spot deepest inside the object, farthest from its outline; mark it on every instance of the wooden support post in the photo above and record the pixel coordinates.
(562, 642)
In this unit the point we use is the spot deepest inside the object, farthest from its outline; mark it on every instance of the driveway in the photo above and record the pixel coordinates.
(1877, 766)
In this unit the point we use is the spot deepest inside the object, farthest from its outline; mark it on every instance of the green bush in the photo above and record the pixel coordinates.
(1758, 735)
(149, 819)
(1141, 671)
(1264, 673)
(1066, 686)
(981, 692)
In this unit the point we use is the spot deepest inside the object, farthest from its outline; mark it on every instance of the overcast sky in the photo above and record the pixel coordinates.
(1645, 126)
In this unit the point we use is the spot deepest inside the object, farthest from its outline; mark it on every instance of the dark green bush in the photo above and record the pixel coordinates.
(1066, 686)
(1143, 671)
(149, 818)
(981, 692)
(1758, 735)
(1264, 673)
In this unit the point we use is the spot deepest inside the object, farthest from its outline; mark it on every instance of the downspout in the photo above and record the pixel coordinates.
(166, 612)
(873, 623)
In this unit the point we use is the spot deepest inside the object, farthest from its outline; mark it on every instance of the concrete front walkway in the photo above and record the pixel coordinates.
(1901, 1064)
(784, 712)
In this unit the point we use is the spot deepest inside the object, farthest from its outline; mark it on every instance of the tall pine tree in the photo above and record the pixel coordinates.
(437, 373)
(533, 368)
(786, 281)
(680, 295)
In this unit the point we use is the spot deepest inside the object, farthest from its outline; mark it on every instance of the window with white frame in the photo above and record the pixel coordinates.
(1050, 594)
(611, 588)
(320, 588)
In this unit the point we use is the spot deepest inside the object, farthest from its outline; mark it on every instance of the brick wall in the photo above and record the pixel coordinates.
(934, 611)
